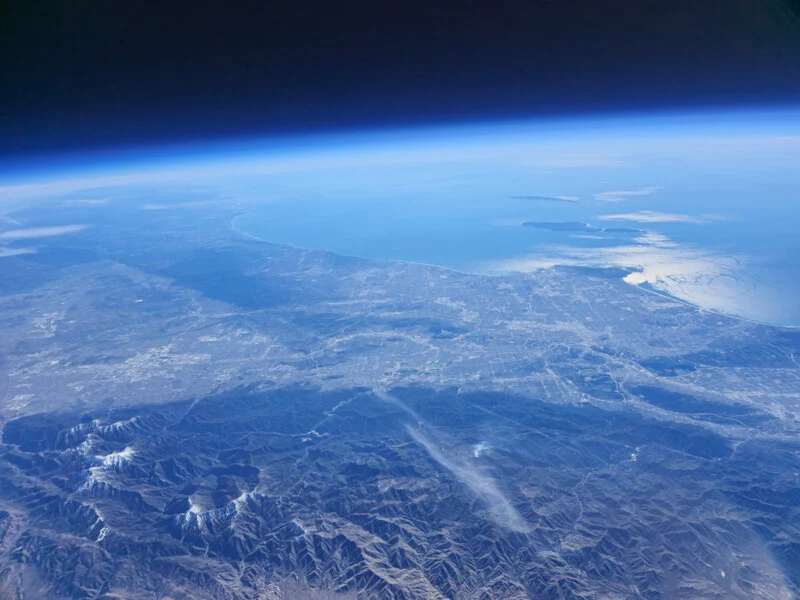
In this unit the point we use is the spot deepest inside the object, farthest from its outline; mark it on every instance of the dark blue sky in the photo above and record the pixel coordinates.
(88, 75)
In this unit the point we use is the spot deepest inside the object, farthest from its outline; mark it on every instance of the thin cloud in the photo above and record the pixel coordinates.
(502, 511)
(6, 252)
(651, 216)
(622, 195)
(86, 202)
(699, 276)
(500, 508)
(652, 238)
(537, 198)
(40, 232)
(177, 205)
(160, 206)
(7, 219)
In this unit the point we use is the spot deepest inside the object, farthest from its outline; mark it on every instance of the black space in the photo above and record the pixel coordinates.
(90, 74)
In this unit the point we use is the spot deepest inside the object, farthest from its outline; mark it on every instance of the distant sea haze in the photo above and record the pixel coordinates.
(683, 256)
(699, 206)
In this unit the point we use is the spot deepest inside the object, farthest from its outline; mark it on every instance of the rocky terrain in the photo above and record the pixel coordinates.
(187, 413)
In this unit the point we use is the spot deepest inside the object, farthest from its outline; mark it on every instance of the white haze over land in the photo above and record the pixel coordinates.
(481, 484)
(40, 232)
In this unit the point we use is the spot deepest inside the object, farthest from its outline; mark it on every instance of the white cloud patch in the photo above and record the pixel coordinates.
(6, 252)
(622, 195)
(541, 198)
(40, 232)
(651, 216)
(480, 448)
(86, 202)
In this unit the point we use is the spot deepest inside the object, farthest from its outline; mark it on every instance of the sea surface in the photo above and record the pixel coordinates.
(713, 223)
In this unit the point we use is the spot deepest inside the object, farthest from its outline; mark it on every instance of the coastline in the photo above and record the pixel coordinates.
(645, 287)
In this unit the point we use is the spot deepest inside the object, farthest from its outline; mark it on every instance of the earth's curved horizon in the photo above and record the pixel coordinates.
(707, 235)
(284, 372)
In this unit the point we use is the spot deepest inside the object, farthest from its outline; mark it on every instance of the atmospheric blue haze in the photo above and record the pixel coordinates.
(703, 207)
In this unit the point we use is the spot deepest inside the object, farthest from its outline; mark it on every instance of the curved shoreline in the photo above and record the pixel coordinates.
(648, 290)
(386, 260)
